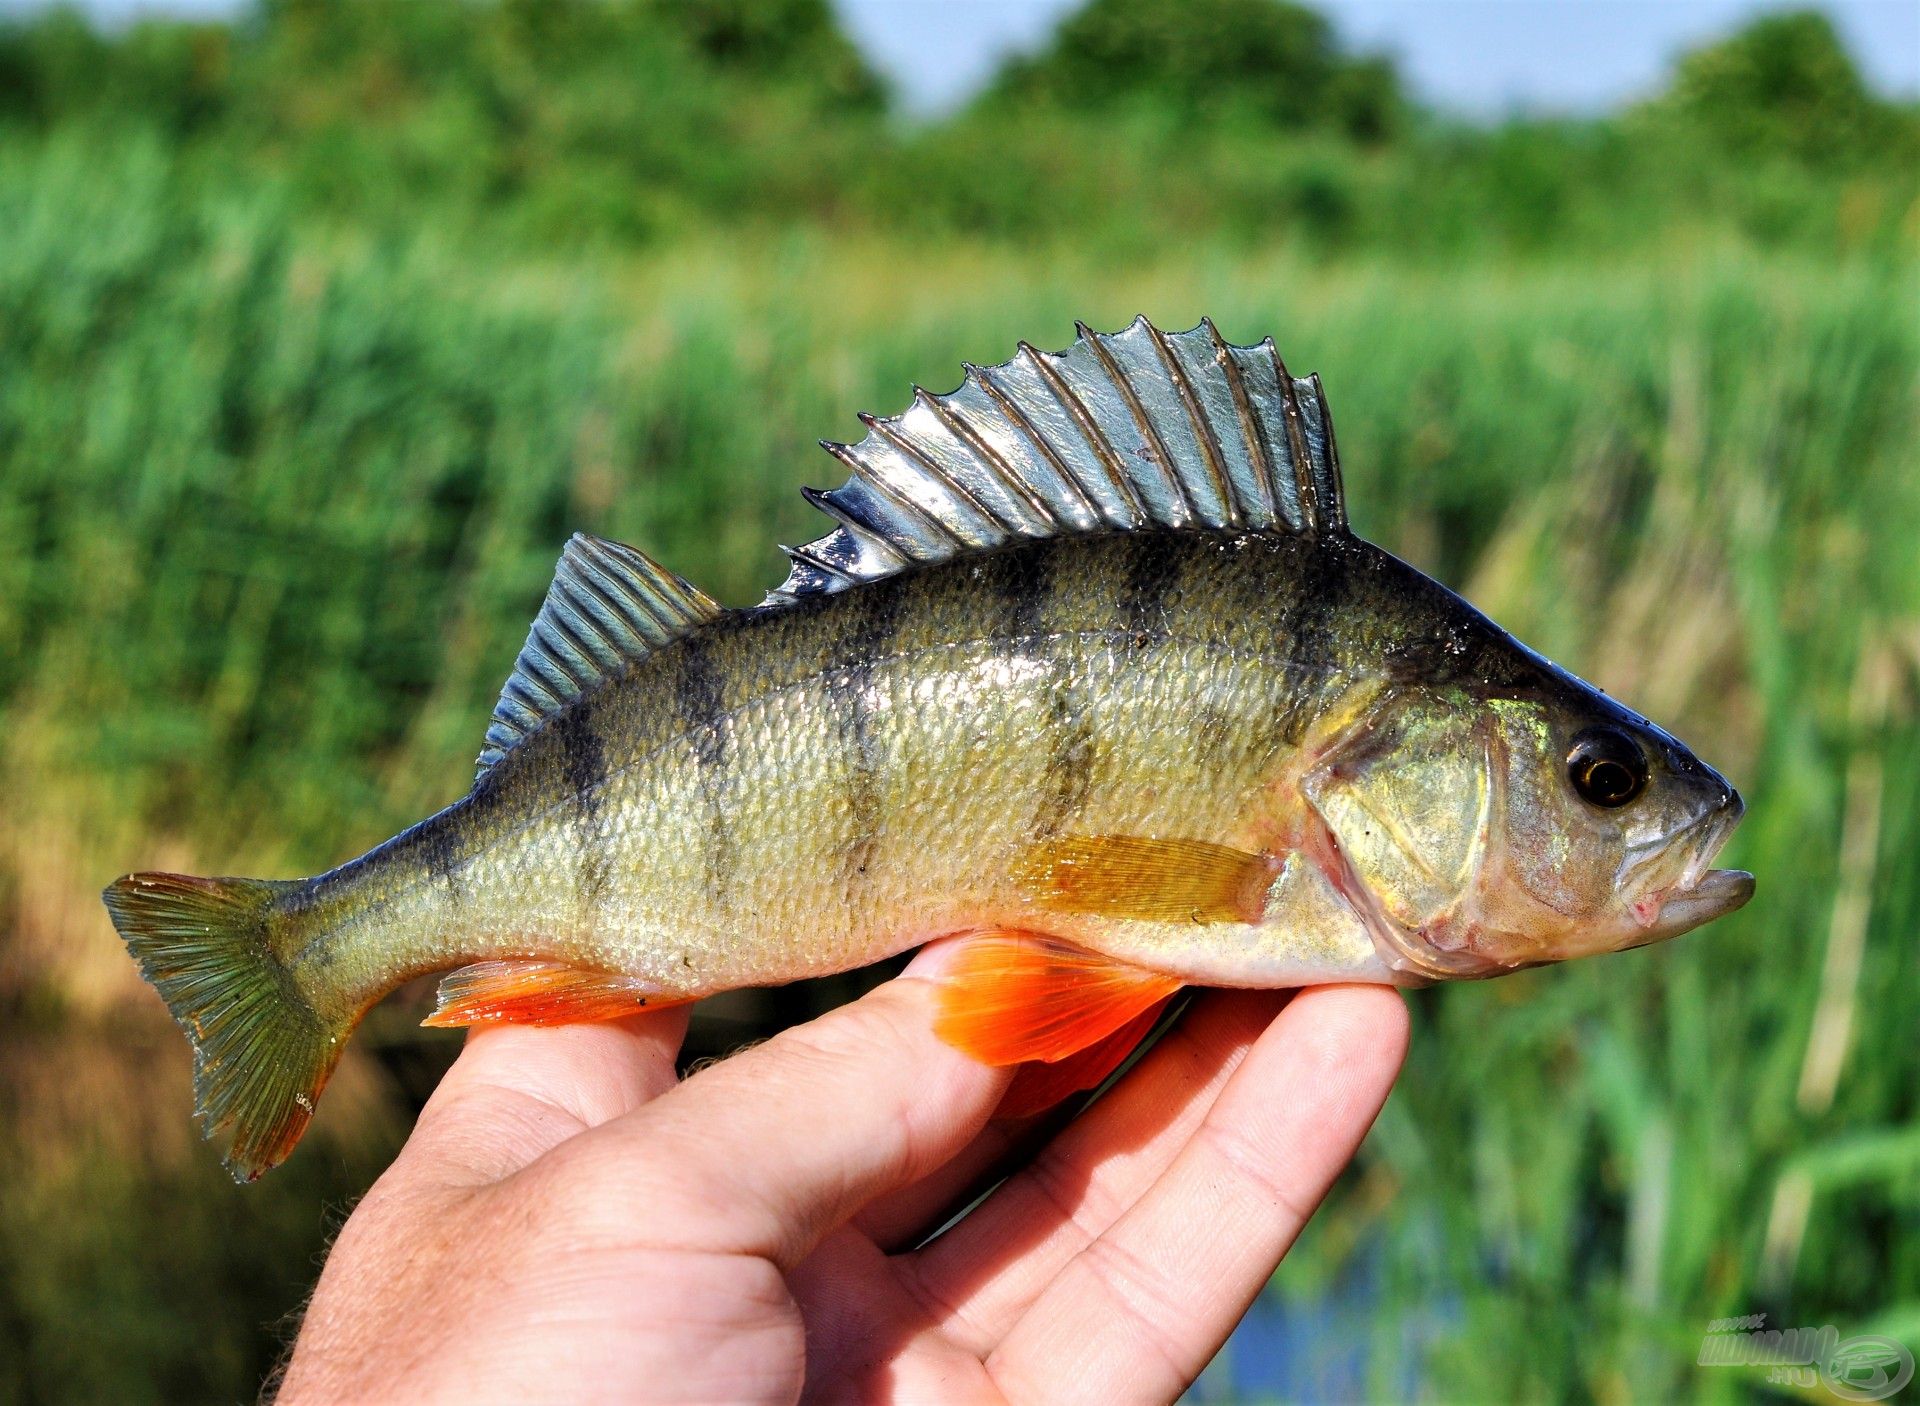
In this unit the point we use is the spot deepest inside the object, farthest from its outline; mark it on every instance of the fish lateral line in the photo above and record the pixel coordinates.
(1277, 660)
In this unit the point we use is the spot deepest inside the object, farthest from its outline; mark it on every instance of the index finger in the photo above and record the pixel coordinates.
(1145, 1306)
(518, 1091)
(768, 1151)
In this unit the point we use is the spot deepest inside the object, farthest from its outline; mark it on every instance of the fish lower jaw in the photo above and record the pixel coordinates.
(1686, 905)
(1698, 894)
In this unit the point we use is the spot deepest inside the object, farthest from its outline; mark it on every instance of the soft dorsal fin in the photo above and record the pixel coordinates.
(1128, 431)
(609, 605)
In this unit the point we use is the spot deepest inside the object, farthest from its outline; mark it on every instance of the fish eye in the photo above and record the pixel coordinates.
(1606, 767)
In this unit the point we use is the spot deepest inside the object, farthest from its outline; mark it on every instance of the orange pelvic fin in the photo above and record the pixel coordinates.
(539, 993)
(1165, 881)
(1039, 1085)
(1011, 997)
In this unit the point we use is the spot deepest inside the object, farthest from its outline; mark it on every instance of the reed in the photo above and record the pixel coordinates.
(279, 498)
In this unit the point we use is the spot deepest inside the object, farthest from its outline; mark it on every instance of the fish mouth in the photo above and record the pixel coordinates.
(1700, 894)
(1684, 908)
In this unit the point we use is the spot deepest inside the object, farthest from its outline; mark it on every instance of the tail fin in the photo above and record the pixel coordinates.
(261, 1050)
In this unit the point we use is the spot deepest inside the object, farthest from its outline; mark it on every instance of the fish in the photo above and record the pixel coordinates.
(1091, 673)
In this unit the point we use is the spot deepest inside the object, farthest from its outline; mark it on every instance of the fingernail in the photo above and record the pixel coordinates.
(933, 959)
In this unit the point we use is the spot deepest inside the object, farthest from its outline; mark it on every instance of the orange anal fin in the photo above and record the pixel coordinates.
(1011, 997)
(539, 993)
(1166, 881)
(1039, 1086)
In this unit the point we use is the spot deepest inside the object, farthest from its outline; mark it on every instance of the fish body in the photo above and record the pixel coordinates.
(1173, 725)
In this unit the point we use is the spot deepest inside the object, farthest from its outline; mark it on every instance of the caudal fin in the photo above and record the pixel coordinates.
(261, 1051)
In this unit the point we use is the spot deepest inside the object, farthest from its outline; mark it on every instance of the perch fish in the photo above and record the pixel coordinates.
(1091, 671)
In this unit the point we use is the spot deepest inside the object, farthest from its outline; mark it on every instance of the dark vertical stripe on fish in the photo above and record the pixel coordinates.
(1020, 583)
(1152, 567)
(1071, 750)
(1307, 629)
(1070, 736)
(583, 764)
(874, 620)
(440, 853)
(700, 696)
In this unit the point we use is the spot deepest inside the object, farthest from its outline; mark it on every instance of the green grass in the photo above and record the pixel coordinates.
(278, 498)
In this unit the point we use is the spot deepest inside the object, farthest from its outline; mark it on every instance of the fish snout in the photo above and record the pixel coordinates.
(1715, 894)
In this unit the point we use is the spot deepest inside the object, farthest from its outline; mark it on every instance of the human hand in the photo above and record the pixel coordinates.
(570, 1222)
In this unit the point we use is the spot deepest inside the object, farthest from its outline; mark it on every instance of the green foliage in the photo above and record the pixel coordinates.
(792, 41)
(636, 123)
(56, 68)
(1271, 63)
(1785, 85)
(616, 119)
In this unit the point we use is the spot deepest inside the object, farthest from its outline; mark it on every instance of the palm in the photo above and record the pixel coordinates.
(567, 1222)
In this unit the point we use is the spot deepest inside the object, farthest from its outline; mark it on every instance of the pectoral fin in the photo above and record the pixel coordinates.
(1039, 1086)
(539, 993)
(1165, 881)
(1011, 997)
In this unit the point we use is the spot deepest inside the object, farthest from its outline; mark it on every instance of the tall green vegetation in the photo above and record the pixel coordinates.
(321, 330)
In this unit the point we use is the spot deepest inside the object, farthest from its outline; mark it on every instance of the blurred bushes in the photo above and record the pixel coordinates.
(1785, 86)
(55, 69)
(1246, 63)
(579, 121)
(634, 122)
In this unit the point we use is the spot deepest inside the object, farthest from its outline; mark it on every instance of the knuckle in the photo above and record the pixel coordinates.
(1146, 1302)
(1252, 1166)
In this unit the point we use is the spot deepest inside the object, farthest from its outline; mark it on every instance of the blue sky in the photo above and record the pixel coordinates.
(1480, 57)
(1474, 56)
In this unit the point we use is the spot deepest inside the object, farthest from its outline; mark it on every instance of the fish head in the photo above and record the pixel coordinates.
(1481, 832)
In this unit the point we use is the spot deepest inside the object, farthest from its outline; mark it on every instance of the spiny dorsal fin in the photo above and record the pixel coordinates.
(609, 605)
(1128, 431)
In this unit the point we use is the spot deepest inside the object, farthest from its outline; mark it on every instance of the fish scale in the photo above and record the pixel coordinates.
(1090, 671)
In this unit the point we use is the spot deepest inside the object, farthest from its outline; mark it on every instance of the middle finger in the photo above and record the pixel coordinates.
(989, 1268)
